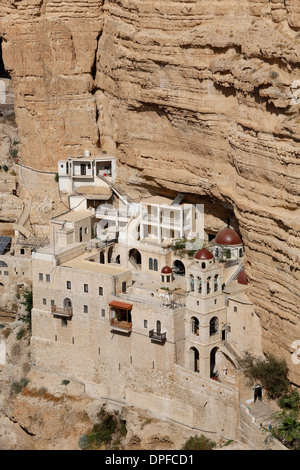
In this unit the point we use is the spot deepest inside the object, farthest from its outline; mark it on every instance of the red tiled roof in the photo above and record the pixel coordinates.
(204, 254)
(123, 305)
(228, 236)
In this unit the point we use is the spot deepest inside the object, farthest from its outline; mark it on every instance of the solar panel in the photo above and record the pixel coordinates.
(4, 243)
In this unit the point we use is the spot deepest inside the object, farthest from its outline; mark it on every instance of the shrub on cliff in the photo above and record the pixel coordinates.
(199, 443)
(270, 372)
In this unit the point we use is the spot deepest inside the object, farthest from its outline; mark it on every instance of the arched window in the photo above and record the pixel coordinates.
(203, 265)
(213, 326)
(216, 282)
(194, 359)
(158, 327)
(199, 285)
(3, 264)
(195, 326)
(150, 264)
(192, 283)
(155, 265)
(240, 252)
(208, 285)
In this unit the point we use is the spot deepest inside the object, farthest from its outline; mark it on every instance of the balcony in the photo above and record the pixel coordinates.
(62, 312)
(157, 337)
(120, 317)
(121, 325)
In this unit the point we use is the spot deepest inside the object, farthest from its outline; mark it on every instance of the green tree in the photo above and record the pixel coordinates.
(28, 303)
(286, 428)
(270, 372)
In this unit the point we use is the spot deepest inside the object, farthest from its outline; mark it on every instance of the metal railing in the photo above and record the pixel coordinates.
(62, 312)
(159, 337)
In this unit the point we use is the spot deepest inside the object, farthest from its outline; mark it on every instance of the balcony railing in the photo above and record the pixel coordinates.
(62, 312)
(157, 337)
(121, 325)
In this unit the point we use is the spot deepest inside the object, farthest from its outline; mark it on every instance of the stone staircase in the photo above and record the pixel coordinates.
(261, 412)
(122, 195)
(235, 273)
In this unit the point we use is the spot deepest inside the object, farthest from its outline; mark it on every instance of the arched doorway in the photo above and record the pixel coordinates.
(213, 370)
(194, 359)
(109, 254)
(67, 304)
(102, 257)
(178, 268)
(257, 392)
(135, 258)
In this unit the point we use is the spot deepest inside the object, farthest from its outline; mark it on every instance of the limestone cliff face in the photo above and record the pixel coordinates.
(199, 96)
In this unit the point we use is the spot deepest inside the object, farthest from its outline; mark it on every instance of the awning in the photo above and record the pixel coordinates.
(122, 305)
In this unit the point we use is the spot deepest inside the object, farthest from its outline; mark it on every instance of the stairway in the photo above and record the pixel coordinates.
(261, 411)
(235, 274)
(122, 195)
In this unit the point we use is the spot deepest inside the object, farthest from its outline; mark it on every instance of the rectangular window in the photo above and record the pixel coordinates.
(64, 322)
(102, 312)
(47, 277)
(44, 302)
(124, 287)
(85, 309)
(145, 324)
(52, 303)
(235, 309)
(100, 290)
(68, 284)
(22, 251)
(41, 277)
(5, 273)
(86, 288)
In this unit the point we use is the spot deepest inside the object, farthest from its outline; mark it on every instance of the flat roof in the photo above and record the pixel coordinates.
(161, 200)
(82, 263)
(73, 215)
(83, 158)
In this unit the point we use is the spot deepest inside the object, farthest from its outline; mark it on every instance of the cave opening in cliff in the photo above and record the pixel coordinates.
(3, 71)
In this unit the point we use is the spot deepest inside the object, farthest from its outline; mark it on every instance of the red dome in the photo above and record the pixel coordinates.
(166, 270)
(242, 278)
(228, 236)
(204, 254)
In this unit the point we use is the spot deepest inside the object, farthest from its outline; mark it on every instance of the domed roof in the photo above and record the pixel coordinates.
(166, 270)
(204, 254)
(242, 278)
(228, 236)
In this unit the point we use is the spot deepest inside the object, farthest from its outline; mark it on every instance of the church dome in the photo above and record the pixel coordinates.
(166, 270)
(228, 236)
(242, 278)
(204, 254)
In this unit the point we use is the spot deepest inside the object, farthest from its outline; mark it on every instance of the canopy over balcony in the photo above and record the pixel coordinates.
(120, 316)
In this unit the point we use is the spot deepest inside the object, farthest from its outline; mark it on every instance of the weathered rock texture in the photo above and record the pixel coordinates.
(198, 96)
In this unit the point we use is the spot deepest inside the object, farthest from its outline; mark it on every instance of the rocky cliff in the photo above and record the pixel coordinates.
(198, 96)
